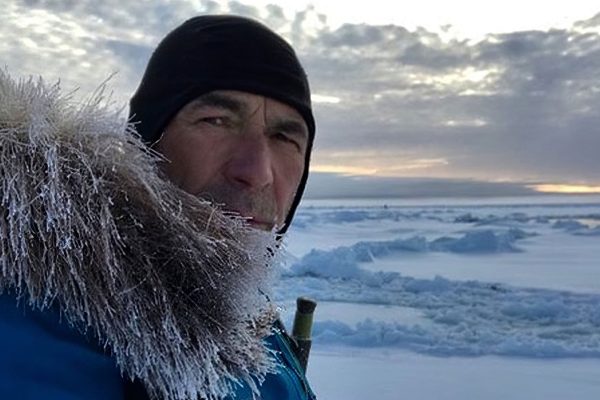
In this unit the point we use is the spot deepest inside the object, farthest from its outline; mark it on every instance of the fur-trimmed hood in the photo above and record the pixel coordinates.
(173, 286)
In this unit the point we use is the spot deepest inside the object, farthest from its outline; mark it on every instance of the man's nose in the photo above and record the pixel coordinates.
(251, 163)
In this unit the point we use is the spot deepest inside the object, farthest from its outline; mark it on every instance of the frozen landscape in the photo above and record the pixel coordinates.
(450, 299)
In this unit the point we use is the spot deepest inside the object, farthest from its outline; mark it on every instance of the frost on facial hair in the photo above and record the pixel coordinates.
(172, 286)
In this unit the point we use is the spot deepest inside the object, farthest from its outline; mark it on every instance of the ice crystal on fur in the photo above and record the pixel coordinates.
(171, 285)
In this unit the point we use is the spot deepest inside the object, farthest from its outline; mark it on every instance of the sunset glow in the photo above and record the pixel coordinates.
(343, 169)
(573, 189)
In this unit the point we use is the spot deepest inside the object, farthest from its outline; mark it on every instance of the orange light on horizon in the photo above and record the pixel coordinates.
(343, 169)
(567, 189)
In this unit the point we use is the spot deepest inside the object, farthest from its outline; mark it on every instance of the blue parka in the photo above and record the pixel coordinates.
(43, 357)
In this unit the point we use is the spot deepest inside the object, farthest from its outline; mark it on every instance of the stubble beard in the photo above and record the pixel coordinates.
(258, 206)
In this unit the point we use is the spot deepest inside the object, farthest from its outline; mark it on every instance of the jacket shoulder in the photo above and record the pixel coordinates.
(43, 357)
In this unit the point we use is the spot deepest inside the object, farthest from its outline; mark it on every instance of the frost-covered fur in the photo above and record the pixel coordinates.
(172, 286)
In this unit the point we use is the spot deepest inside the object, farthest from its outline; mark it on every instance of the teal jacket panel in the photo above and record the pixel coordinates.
(43, 357)
(289, 383)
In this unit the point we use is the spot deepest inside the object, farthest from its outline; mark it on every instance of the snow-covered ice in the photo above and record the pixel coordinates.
(351, 374)
(450, 299)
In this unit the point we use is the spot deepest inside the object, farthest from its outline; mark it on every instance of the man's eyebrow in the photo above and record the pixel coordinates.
(221, 101)
(292, 126)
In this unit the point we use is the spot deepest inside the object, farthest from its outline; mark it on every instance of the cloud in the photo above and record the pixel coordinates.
(520, 105)
(82, 43)
(593, 22)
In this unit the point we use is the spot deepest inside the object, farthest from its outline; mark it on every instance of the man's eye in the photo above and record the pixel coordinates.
(216, 121)
(285, 138)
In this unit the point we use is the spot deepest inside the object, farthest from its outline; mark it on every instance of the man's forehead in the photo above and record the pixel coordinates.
(229, 99)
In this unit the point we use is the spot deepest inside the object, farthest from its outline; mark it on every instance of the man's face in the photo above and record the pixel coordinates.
(238, 149)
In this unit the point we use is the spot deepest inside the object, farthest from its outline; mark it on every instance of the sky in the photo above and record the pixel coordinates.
(436, 98)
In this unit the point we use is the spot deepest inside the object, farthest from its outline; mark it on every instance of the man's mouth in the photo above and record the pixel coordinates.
(256, 222)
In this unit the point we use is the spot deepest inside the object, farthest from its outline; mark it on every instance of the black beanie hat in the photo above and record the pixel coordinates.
(218, 52)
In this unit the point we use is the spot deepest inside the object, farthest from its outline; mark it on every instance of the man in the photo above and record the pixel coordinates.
(125, 287)
(257, 83)
(227, 103)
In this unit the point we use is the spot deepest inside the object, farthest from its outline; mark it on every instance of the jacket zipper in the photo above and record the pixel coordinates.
(294, 365)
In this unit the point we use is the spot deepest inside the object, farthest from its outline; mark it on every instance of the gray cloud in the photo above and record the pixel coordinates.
(243, 9)
(82, 43)
(521, 105)
(531, 113)
(590, 23)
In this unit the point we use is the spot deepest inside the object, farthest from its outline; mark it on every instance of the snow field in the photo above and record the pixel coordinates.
(507, 293)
